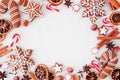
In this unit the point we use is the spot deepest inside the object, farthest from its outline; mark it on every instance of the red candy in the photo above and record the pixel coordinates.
(69, 69)
(60, 77)
(116, 49)
(94, 27)
(25, 23)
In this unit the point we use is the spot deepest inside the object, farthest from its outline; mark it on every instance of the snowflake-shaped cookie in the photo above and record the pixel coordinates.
(21, 60)
(93, 9)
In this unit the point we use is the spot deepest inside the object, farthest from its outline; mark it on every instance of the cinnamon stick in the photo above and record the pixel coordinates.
(0, 44)
(32, 76)
(3, 48)
(73, 77)
(114, 33)
(78, 77)
(114, 4)
(5, 52)
(108, 38)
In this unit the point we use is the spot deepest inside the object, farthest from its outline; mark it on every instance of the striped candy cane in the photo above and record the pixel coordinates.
(15, 39)
(95, 65)
(51, 7)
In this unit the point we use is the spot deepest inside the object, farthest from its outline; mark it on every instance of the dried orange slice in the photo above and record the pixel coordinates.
(5, 26)
(41, 72)
(92, 76)
(2, 37)
(115, 74)
(55, 2)
(51, 75)
(115, 18)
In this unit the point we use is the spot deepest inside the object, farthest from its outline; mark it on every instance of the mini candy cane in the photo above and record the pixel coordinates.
(75, 8)
(95, 65)
(15, 39)
(112, 27)
(106, 21)
(51, 7)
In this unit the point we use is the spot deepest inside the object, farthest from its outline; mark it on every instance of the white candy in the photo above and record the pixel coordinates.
(75, 8)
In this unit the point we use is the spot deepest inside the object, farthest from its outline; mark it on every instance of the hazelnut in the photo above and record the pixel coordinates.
(60, 77)
(94, 27)
(69, 69)
(16, 78)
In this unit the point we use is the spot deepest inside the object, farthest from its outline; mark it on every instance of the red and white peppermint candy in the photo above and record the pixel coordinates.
(67, 76)
(94, 50)
(106, 21)
(15, 39)
(51, 7)
(4, 65)
(95, 65)
(75, 7)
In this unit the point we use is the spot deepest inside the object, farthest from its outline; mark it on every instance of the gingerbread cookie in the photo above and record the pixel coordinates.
(57, 67)
(12, 6)
(23, 2)
(109, 60)
(93, 9)
(33, 10)
(21, 60)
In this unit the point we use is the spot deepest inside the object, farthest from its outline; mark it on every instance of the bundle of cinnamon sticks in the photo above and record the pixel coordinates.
(104, 39)
(4, 50)
(114, 4)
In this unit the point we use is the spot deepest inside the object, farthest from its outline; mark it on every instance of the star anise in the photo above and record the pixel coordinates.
(26, 77)
(86, 68)
(81, 73)
(110, 46)
(68, 3)
(3, 75)
(97, 58)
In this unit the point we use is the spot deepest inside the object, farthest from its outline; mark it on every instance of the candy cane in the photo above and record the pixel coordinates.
(106, 21)
(75, 8)
(51, 7)
(95, 65)
(15, 39)
(112, 27)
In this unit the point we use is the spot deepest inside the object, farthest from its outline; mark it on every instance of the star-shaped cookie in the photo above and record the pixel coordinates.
(103, 30)
(57, 67)
(33, 10)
